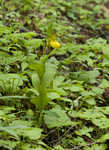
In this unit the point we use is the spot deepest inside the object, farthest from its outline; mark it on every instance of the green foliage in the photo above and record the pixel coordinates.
(54, 99)
(54, 118)
(97, 147)
(42, 81)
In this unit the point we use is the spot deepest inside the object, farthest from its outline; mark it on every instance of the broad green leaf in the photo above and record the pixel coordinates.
(96, 44)
(9, 131)
(97, 91)
(104, 84)
(4, 29)
(41, 101)
(104, 138)
(36, 81)
(8, 144)
(53, 95)
(96, 147)
(28, 35)
(71, 15)
(33, 90)
(75, 88)
(86, 76)
(59, 80)
(65, 99)
(90, 101)
(89, 76)
(105, 62)
(106, 52)
(21, 124)
(49, 74)
(57, 117)
(88, 114)
(39, 68)
(22, 128)
(79, 141)
(94, 115)
(59, 85)
(32, 133)
(24, 65)
(58, 147)
(35, 43)
(9, 76)
(101, 122)
(84, 131)
(104, 110)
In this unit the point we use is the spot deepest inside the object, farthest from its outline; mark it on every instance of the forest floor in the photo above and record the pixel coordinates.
(54, 75)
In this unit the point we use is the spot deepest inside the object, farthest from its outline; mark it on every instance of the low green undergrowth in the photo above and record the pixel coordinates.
(54, 75)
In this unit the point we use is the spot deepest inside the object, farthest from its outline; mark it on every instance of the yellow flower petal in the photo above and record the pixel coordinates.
(55, 44)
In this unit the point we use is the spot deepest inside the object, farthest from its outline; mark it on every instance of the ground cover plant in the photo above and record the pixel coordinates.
(54, 75)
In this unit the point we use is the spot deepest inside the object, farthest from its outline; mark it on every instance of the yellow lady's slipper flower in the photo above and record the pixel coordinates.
(55, 44)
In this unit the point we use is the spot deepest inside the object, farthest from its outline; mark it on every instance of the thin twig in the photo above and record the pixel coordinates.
(63, 136)
(48, 134)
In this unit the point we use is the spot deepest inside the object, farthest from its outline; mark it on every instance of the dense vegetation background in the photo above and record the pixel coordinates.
(54, 75)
